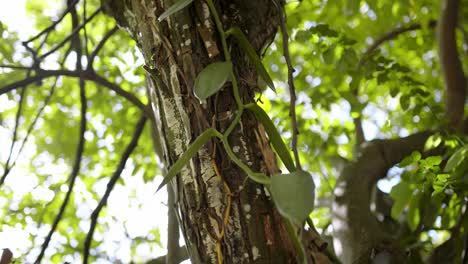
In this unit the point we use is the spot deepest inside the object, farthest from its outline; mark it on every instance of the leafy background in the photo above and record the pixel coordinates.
(395, 90)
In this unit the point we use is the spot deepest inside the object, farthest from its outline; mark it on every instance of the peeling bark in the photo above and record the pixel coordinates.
(180, 47)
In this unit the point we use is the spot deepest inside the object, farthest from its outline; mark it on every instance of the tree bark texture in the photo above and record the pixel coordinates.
(179, 48)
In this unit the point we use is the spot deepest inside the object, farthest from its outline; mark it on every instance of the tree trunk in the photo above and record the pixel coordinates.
(250, 230)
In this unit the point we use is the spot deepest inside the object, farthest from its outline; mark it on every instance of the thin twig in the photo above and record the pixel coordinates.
(73, 174)
(360, 138)
(110, 185)
(7, 168)
(16, 67)
(292, 88)
(75, 31)
(100, 45)
(52, 26)
(31, 126)
(85, 32)
(389, 36)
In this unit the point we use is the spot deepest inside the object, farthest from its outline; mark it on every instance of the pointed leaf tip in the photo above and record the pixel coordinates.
(211, 79)
(249, 50)
(174, 8)
(293, 195)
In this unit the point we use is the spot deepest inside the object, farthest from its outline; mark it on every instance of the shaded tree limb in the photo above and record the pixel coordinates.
(450, 64)
(110, 185)
(356, 229)
(85, 75)
(6, 257)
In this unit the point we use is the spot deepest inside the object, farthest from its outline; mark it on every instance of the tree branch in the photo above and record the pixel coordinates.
(100, 45)
(450, 64)
(85, 75)
(52, 26)
(73, 33)
(292, 88)
(355, 227)
(110, 185)
(73, 174)
(360, 138)
(15, 135)
(8, 166)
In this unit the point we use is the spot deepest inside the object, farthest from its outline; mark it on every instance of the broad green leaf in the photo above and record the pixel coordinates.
(329, 55)
(433, 160)
(413, 217)
(249, 50)
(180, 4)
(275, 138)
(293, 195)
(188, 154)
(411, 159)
(405, 101)
(456, 159)
(401, 194)
(211, 79)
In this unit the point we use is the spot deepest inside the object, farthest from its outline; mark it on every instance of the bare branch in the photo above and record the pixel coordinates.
(73, 174)
(52, 26)
(15, 135)
(75, 31)
(85, 75)
(292, 88)
(110, 185)
(450, 64)
(8, 166)
(100, 45)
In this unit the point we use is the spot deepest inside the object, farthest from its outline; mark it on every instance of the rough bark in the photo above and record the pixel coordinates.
(358, 235)
(450, 64)
(179, 48)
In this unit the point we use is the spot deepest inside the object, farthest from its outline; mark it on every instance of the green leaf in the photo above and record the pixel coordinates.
(210, 80)
(405, 101)
(188, 154)
(174, 8)
(293, 195)
(401, 194)
(249, 50)
(411, 159)
(413, 216)
(433, 160)
(329, 55)
(275, 138)
(456, 159)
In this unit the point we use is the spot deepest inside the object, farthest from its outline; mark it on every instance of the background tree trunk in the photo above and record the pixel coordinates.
(180, 47)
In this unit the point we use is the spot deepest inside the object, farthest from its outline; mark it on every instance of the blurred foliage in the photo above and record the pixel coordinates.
(396, 90)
